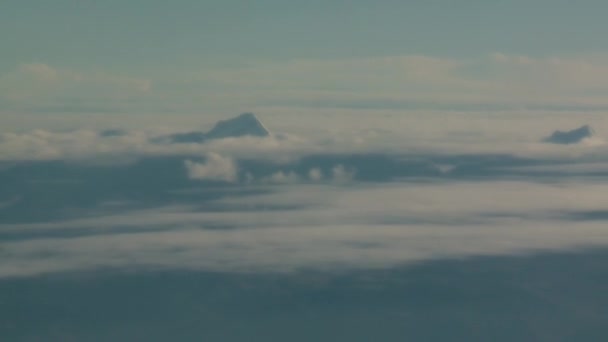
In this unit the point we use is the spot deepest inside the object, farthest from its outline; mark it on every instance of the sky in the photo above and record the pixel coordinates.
(219, 58)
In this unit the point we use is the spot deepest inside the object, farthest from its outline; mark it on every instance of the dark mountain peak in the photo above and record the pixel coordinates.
(246, 124)
(242, 125)
(570, 137)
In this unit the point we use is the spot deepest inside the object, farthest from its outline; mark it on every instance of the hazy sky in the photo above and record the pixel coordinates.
(141, 36)
(229, 56)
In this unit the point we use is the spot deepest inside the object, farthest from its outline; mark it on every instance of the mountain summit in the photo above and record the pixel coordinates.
(570, 137)
(246, 124)
(242, 125)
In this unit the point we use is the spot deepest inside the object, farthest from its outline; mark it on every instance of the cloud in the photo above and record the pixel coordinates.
(319, 227)
(278, 249)
(74, 145)
(215, 167)
(339, 132)
(566, 168)
(341, 174)
(346, 73)
(40, 72)
(485, 83)
(338, 174)
(315, 174)
(87, 145)
(281, 177)
(555, 73)
(39, 86)
(494, 83)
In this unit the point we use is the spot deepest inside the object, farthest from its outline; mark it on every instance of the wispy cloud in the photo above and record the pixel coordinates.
(492, 82)
(38, 85)
(322, 227)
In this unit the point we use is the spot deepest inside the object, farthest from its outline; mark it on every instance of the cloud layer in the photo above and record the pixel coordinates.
(320, 227)
(330, 132)
(493, 82)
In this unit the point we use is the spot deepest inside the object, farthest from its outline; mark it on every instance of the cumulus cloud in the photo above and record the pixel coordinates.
(315, 174)
(215, 167)
(281, 177)
(338, 174)
(341, 174)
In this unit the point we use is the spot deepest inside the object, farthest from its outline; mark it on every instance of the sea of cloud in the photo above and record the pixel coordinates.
(223, 212)
(300, 131)
(320, 227)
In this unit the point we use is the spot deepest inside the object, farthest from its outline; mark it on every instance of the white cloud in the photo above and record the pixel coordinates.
(281, 177)
(402, 82)
(88, 145)
(39, 84)
(39, 71)
(562, 81)
(418, 81)
(341, 174)
(594, 167)
(277, 249)
(74, 145)
(323, 227)
(517, 133)
(345, 73)
(338, 174)
(430, 203)
(215, 167)
(315, 174)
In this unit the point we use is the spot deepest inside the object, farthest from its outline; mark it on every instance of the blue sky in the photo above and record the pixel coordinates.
(184, 56)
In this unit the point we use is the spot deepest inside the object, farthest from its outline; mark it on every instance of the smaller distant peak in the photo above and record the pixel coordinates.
(588, 129)
(245, 124)
(570, 137)
(242, 125)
